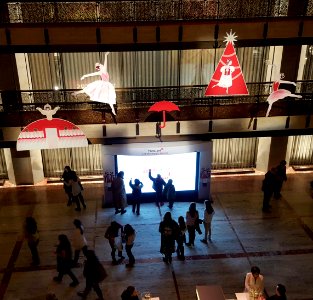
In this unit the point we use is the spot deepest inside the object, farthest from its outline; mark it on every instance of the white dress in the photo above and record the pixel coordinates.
(226, 80)
(101, 90)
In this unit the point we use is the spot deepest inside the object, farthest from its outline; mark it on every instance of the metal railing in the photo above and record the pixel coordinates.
(129, 98)
(140, 10)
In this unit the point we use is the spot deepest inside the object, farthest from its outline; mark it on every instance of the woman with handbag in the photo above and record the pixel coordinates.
(79, 241)
(192, 222)
(94, 273)
(77, 192)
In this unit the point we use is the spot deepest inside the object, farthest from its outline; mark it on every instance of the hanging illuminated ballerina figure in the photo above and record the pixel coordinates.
(226, 79)
(277, 93)
(100, 90)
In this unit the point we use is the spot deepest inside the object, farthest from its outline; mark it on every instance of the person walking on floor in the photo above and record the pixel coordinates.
(114, 235)
(268, 186)
(136, 195)
(94, 273)
(181, 238)
(207, 220)
(192, 221)
(169, 193)
(281, 176)
(77, 192)
(66, 177)
(169, 231)
(32, 237)
(119, 193)
(129, 236)
(79, 241)
(158, 183)
(64, 260)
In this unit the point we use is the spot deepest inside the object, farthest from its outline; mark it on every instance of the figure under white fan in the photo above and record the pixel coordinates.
(278, 93)
(100, 90)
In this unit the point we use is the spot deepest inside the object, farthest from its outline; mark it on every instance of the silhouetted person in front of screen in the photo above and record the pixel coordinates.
(136, 195)
(119, 193)
(169, 193)
(158, 184)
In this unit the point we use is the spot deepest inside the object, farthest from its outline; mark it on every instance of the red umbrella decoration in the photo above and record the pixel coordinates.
(164, 106)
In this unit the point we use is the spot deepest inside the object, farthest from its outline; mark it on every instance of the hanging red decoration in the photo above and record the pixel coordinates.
(50, 133)
(164, 106)
(227, 79)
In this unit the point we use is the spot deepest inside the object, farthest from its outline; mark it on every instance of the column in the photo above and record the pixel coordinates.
(271, 151)
(205, 163)
(24, 167)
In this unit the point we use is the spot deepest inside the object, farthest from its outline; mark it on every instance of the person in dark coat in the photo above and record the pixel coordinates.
(32, 237)
(181, 238)
(114, 235)
(280, 293)
(119, 193)
(169, 230)
(158, 183)
(64, 260)
(94, 274)
(281, 176)
(169, 193)
(268, 186)
(130, 293)
(129, 236)
(136, 195)
(67, 176)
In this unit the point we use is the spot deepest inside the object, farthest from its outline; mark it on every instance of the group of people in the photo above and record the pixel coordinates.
(175, 232)
(172, 233)
(118, 235)
(73, 188)
(164, 192)
(93, 272)
(272, 184)
(254, 285)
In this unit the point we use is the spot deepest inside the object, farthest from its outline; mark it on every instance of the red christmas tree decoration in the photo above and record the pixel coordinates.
(227, 79)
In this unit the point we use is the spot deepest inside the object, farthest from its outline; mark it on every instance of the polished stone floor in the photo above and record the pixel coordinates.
(280, 242)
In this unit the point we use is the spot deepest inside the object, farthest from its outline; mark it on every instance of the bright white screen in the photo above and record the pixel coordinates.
(181, 168)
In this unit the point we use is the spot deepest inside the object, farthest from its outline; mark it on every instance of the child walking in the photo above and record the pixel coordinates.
(181, 238)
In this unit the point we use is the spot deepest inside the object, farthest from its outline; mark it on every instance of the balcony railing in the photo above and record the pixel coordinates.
(141, 10)
(130, 98)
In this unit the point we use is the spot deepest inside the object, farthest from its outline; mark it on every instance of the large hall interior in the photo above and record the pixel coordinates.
(209, 93)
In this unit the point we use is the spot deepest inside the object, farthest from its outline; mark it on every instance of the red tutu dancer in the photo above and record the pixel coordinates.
(278, 93)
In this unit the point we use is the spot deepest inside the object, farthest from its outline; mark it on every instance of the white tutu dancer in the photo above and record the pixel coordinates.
(100, 90)
(278, 93)
(226, 80)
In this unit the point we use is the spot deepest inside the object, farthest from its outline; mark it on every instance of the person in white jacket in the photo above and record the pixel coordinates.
(79, 241)
(254, 281)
